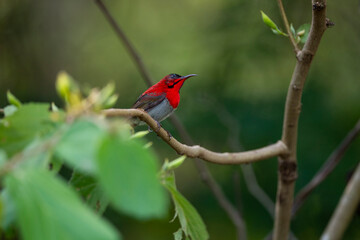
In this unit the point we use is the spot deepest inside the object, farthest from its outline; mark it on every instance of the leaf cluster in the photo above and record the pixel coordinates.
(109, 164)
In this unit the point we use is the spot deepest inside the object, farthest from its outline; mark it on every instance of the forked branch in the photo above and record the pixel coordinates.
(287, 173)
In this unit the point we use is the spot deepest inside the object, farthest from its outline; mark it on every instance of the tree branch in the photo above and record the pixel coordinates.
(129, 47)
(198, 151)
(286, 23)
(345, 209)
(327, 168)
(287, 170)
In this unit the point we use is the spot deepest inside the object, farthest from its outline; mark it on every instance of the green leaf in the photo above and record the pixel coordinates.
(21, 127)
(190, 221)
(55, 164)
(90, 191)
(48, 209)
(107, 97)
(37, 154)
(139, 134)
(268, 21)
(79, 144)
(174, 164)
(12, 99)
(274, 28)
(306, 29)
(8, 213)
(127, 173)
(178, 235)
(10, 110)
(3, 157)
(292, 29)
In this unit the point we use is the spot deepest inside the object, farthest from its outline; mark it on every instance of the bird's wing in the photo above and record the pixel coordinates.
(148, 101)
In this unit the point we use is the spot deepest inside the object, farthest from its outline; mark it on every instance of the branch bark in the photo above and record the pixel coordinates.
(327, 168)
(287, 171)
(345, 209)
(196, 151)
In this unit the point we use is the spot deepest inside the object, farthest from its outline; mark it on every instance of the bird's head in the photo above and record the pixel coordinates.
(174, 82)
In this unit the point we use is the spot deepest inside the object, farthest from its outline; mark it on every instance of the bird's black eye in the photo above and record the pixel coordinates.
(174, 76)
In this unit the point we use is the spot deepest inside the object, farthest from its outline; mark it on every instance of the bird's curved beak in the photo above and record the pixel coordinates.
(188, 76)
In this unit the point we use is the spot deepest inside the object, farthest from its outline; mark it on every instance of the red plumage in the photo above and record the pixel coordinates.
(161, 99)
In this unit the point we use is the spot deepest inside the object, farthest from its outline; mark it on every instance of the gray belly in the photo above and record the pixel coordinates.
(161, 111)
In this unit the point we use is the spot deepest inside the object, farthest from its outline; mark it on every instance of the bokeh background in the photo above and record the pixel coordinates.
(242, 68)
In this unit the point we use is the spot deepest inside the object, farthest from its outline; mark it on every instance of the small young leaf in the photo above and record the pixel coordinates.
(274, 28)
(268, 21)
(139, 134)
(12, 99)
(175, 163)
(178, 235)
(67, 88)
(292, 29)
(128, 175)
(54, 108)
(303, 32)
(10, 110)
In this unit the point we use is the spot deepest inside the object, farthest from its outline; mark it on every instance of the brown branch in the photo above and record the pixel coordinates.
(345, 209)
(197, 151)
(286, 23)
(327, 167)
(287, 171)
(129, 47)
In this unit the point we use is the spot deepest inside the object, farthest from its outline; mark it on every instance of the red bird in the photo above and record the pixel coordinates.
(162, 99)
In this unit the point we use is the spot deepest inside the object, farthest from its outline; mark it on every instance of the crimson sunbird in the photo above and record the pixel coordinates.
(161, 99)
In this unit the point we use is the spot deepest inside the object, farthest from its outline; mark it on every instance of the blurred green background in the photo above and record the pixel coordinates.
(241, 66)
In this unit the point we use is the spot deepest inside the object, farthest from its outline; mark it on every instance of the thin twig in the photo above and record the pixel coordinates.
(129, 47)
(231, 123)
(223, 201)
(196, 151)
(286, 23)
(256, 190)
(327, 167)
(287, 170)
(345, 209)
